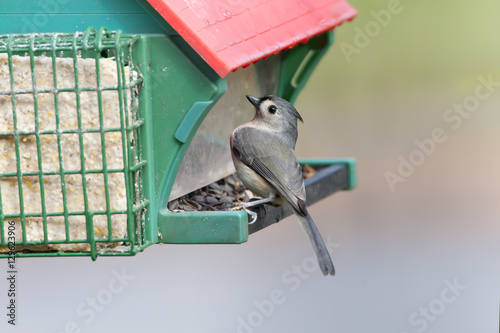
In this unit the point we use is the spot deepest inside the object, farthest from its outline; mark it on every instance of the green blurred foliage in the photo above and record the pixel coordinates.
(397, 86)
(425, 42)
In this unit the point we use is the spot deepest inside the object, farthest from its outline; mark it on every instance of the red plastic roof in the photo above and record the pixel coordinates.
(230, 34)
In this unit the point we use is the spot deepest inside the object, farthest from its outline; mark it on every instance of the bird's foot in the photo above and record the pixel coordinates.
(245, 205)
(249, 212)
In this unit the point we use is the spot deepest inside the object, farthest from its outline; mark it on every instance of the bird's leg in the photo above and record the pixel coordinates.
(257, 202)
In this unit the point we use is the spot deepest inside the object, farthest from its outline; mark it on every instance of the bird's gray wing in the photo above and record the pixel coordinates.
(274, 160)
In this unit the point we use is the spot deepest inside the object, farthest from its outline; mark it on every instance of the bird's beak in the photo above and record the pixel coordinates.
(254, 100)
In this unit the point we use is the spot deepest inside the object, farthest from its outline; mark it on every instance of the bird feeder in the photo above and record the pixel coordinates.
(101, 128)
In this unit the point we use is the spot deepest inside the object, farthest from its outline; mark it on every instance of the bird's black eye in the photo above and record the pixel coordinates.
(272, 109)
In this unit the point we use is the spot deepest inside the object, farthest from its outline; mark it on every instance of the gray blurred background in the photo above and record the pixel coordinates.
(421, 256)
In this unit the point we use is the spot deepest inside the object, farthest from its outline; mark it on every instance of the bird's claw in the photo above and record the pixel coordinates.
(246, 205)
(249, 212)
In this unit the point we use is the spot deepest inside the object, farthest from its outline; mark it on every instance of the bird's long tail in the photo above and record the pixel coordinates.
(324, 260)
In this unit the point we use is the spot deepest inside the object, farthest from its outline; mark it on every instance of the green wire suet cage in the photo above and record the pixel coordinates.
(93, 45)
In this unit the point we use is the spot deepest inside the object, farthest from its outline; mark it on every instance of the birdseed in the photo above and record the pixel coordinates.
(222, 195)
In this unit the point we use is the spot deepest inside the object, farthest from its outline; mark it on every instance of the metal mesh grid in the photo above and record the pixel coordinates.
(96, 45)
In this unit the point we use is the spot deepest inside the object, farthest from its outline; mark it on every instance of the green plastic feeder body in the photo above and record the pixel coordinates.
(174, 132)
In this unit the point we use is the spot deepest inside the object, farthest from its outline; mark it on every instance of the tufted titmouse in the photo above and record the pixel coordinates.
(263, 152)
